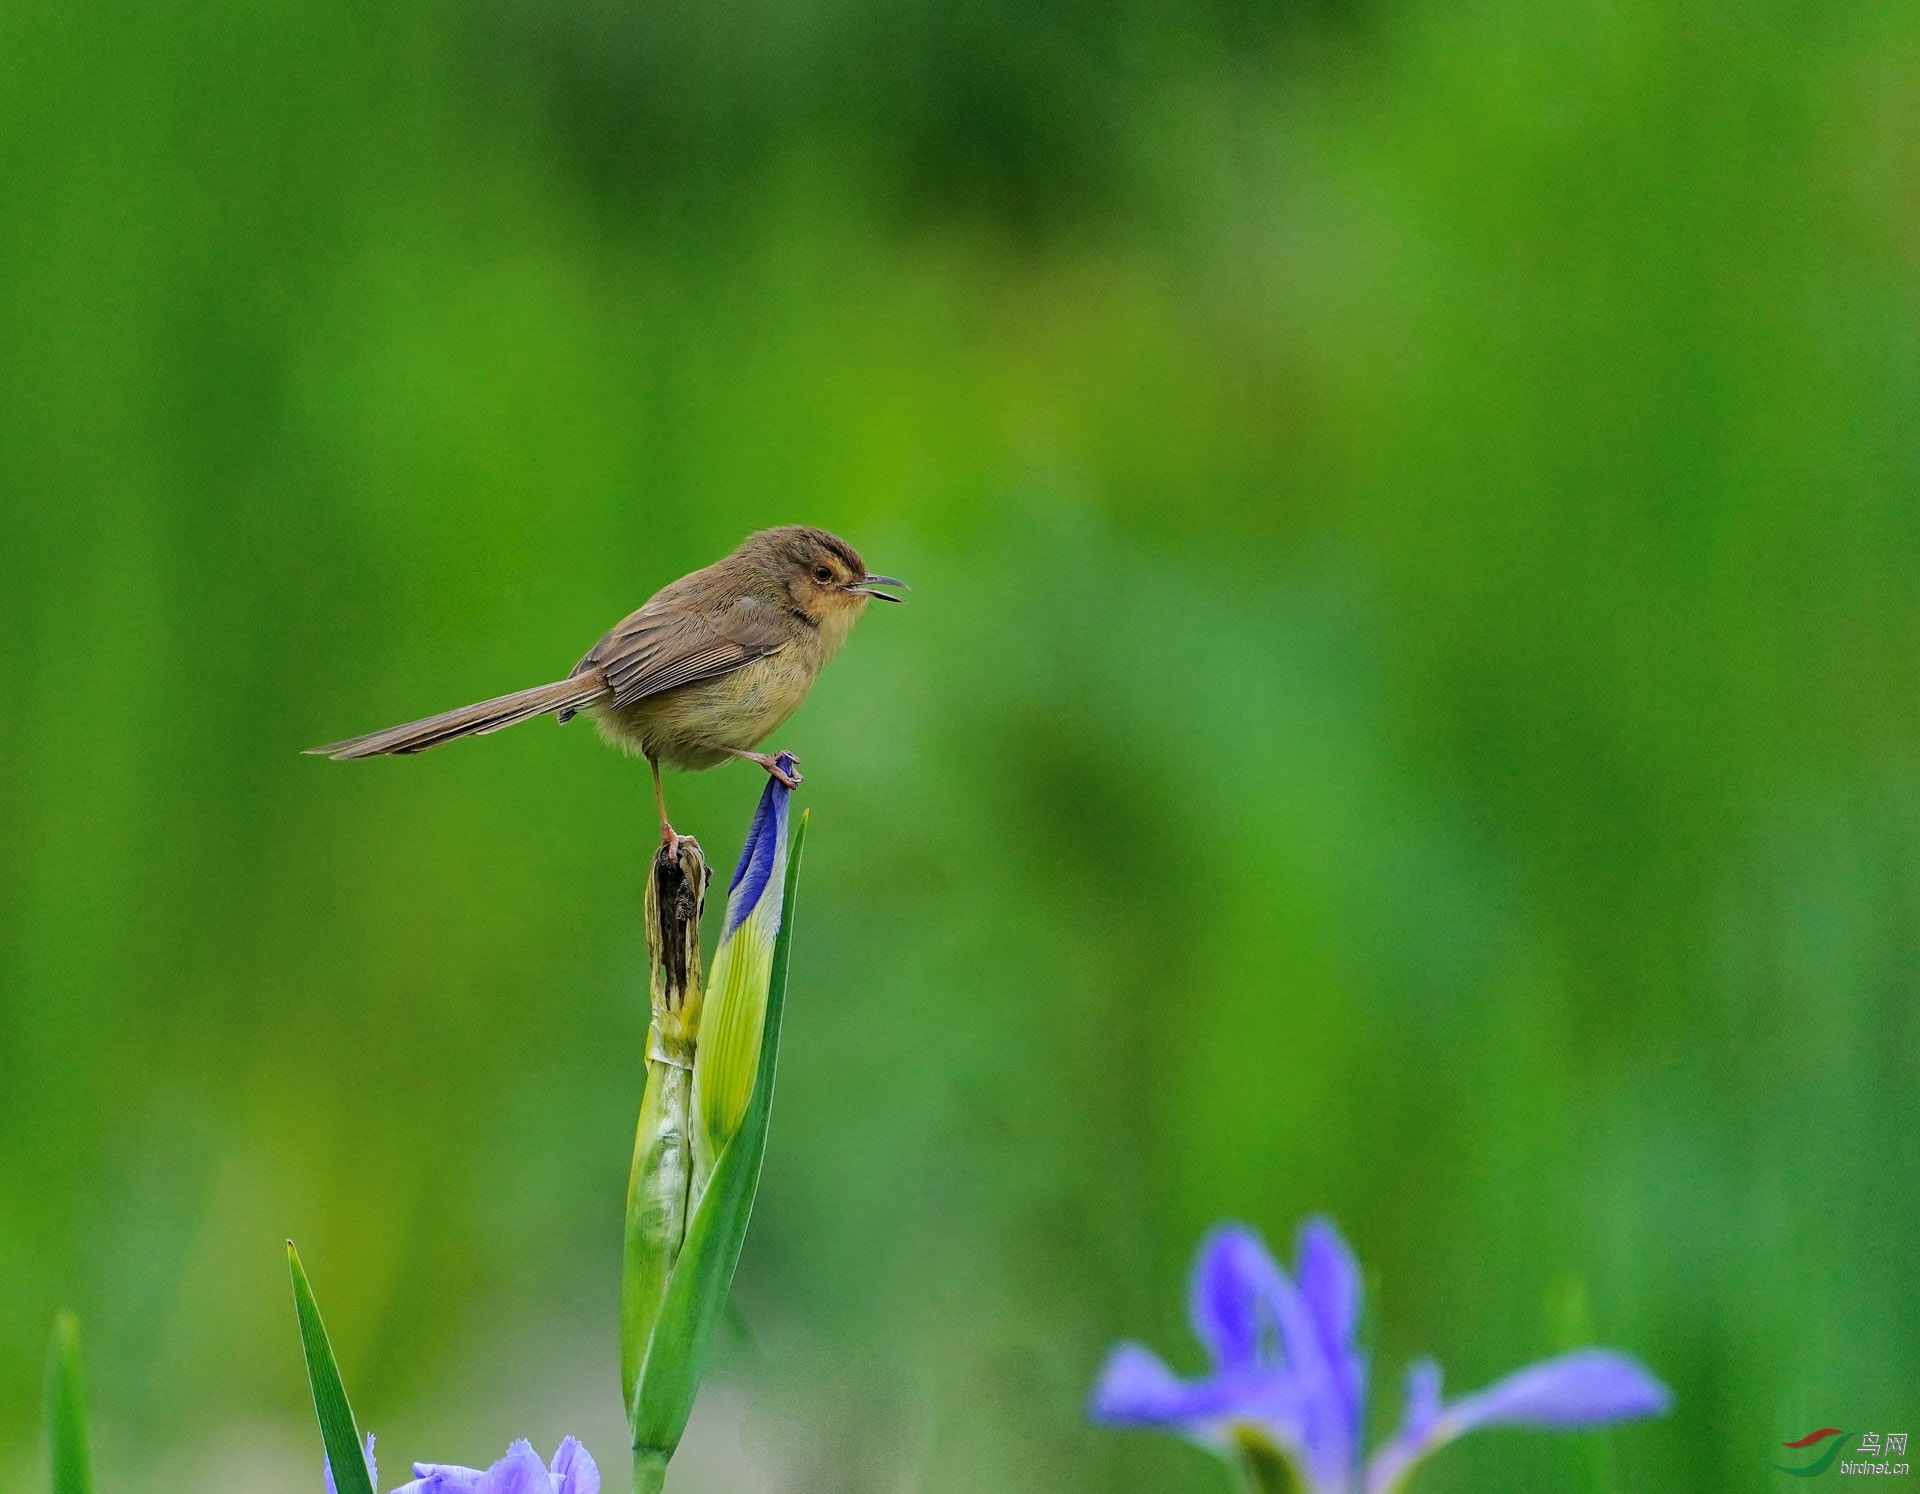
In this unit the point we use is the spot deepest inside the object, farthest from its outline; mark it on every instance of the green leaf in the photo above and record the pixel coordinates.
(656, 1210)
(69, 1468)
(697, 1292)
(338, 1433)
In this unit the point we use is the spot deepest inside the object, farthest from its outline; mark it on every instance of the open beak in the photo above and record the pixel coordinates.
(866, 584)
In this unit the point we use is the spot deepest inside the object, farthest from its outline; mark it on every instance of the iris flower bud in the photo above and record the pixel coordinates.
(729, 1052)
(703, 1121)
(662, 1175)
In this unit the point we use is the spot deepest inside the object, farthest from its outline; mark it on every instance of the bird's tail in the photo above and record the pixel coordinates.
(566, 696)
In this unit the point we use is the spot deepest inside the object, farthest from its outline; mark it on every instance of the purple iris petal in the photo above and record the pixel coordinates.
(757, 856)
(1232, 1280)
(1270, 1366)
(1322, 1430)
(574, 1471)
(1413, 1441)
(1586, 1388)
(443, 1478)
(1423, 1398)
(1330, 1286)
(1136, 1389)
(519, 1472)
(1248, 1313)
(1330, 1281)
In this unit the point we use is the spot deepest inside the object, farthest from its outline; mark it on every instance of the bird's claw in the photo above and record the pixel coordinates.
(775, 764)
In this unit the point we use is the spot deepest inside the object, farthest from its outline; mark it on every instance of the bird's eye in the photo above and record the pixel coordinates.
(823, 574)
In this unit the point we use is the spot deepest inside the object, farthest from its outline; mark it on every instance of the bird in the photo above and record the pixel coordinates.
(710, 667)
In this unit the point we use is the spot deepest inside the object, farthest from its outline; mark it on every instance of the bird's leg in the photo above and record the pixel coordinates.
(667, 837)
(771, 762)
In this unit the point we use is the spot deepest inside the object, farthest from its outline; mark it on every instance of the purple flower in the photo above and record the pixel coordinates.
(1288, 1383)
(763, 854)
(728, 1059)
(519, 1472)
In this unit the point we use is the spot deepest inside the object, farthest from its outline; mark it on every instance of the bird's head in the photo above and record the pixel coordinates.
(820, 574)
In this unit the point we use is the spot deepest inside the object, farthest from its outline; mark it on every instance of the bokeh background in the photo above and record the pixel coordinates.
(1407, 708)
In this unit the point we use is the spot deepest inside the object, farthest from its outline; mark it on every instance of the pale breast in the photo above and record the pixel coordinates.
(693, 726)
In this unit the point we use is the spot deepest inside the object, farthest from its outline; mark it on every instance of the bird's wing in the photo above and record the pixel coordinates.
(660, 647)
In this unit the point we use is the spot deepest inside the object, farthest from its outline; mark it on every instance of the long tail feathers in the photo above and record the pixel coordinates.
(477, 720)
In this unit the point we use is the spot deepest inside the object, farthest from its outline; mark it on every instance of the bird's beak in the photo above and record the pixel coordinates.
(864, 586)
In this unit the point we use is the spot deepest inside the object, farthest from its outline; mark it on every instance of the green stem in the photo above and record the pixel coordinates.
(649, 1472)
(70, 1470)
(1267, 1469)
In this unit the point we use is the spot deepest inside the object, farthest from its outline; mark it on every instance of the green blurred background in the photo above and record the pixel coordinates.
(1406, 708)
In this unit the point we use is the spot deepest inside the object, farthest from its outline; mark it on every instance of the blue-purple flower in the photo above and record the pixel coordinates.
(519, 1472)
(1288, 1383)
(736, 1000)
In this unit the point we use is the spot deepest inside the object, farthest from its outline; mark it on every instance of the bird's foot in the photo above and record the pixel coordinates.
(791, 777)
(671, 841)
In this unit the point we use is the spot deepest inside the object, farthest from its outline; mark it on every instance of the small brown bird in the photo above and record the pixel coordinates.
(705, 671)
